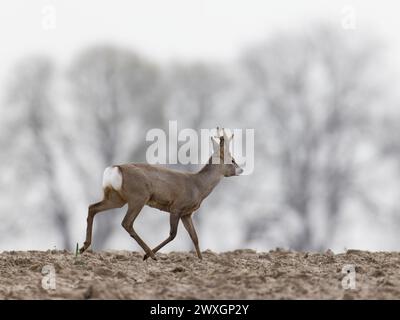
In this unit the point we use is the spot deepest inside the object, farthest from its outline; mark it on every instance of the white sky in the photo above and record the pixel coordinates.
(175, 29)
(165, 29)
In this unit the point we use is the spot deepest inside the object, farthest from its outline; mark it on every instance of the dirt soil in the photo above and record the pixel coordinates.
(241, 274)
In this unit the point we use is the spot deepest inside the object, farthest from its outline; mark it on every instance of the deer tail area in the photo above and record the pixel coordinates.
(112, 178)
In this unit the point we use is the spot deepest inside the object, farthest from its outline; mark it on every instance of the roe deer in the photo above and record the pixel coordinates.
(179, 193)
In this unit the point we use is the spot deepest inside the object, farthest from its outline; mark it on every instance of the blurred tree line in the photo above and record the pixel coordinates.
(311, 97)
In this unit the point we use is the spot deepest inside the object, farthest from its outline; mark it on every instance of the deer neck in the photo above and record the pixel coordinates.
(208, 178)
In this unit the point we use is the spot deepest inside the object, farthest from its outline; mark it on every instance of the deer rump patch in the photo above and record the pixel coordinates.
(112, 177)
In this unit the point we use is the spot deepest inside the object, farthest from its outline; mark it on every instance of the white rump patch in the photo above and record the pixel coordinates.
(112, 177)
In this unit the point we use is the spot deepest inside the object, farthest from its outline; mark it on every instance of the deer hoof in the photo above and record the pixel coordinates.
(84, 248)
(146, 256)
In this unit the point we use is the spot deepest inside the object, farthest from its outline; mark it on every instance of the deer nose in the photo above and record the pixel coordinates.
(238, 171)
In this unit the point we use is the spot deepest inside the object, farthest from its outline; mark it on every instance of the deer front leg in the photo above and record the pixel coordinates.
(173, 221)
(133, 211)
(188, 223)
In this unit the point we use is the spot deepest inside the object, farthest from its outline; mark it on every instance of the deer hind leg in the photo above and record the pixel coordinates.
(188, 223)
(173, 221)
(133, 211)
(111, 200)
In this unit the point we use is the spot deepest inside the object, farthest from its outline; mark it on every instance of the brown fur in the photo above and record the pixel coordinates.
(176, 192)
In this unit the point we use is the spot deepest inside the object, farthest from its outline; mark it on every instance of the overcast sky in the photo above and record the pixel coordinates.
(174, 29)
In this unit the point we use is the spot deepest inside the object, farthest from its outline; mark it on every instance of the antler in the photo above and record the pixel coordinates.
(226, 138)
(222, 137)
(219, 133)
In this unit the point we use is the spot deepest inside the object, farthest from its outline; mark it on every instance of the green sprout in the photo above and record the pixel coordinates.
(77, 249)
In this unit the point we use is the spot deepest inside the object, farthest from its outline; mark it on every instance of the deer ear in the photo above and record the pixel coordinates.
(215, 144)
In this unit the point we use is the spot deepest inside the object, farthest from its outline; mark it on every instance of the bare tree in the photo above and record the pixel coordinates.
(35, 133)
(117, 96)
(195, 92)
(317, 104)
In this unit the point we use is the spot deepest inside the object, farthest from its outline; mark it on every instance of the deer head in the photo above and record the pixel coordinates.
(222, 156)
